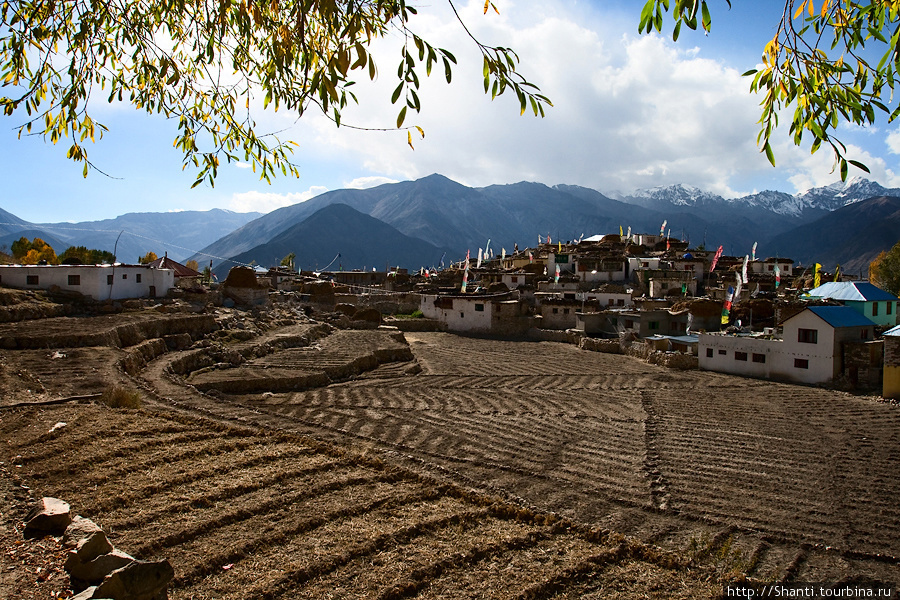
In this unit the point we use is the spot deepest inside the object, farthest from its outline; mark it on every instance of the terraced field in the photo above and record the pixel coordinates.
(799, 481)
(248, 513)
(439, 466)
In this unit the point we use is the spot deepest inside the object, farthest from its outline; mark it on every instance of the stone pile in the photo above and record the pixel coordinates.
(96, 569)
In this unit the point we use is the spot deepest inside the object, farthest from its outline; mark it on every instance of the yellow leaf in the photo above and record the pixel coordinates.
(487, 3)
(799, 9)
(409, 139)
(421, 131)
(825, 7)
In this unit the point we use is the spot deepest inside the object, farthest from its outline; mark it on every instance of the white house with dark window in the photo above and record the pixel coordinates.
(810, 350)
(100, 282)
(497, 314)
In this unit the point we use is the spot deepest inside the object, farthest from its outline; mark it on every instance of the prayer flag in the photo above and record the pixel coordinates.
(715, 259)
(777, 276)
(662, 230)
(744, 269)
(556, 277)
(753, 251)
(478, 264)
(837, 273)
(818, 278)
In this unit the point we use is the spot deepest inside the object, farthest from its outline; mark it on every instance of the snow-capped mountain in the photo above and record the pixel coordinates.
(812, 203)
(678, 195)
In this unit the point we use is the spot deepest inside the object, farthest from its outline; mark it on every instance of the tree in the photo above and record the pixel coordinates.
(288, 261)
(20, 247)
(203, 64)
(40, 252)
(147, 258)
(884, 271)
(86, 256)
(820, 62)
(192, 264)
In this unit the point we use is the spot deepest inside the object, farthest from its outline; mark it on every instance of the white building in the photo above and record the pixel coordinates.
(498, 314)
(100, 282)
(809, 351)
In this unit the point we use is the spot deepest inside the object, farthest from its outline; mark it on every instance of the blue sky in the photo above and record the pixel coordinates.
(630, 112)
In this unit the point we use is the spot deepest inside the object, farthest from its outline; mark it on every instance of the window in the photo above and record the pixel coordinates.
(864, 334)
(31, 280)
(801, 363)
(759, 358)
(109, 280)
(740, 356)
(653, 324)
(462, 315)
(555, 311)
(515, 280)
(124, 275)
(74, 279)
(874, 309)
(890, 308)
(479, 308)
(808, 336)
(709, 353)
(722, 352)
(137, 278)
(620, 302)
(629, 324)
(565, 311)
(770, 267)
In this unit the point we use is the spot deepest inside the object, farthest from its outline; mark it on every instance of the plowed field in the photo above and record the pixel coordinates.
(477, 469)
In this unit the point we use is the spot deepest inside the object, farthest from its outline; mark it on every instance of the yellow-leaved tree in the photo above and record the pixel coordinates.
(884, 271)
(831, 61)
(202, 63)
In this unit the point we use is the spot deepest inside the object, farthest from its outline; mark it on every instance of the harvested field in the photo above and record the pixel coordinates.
(248, 513)
(439, 466)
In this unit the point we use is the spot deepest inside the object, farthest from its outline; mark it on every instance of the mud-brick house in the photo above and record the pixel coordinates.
(891, 384)
(811, 349)
(99, 282)
(870, 301)
(496, 314)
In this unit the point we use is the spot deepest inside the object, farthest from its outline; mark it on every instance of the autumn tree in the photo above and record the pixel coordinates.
(39, 252)
(86, 256)
(884, 271)
(831, 61)
(192, 264)
(205, 64)
(288, 261)
(147, 258)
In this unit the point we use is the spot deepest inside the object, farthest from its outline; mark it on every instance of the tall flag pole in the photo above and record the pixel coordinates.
(818, 277)
(726, 308)
(465, 274)
(744, 269)
(715, 259)
(478, 263)
(777, 276)
(753, 251)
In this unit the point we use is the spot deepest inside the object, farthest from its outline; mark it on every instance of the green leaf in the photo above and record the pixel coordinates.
(396, 95)
(859, 165)
(769, 154)
(401, 117)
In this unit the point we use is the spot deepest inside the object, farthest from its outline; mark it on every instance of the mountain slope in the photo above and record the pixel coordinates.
(851, 236)
(362, 241)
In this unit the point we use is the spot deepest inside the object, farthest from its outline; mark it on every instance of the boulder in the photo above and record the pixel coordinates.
(79, 529)
(50, 516)
(140, 580)
(86, 594)
(94, 571)
(93, 546)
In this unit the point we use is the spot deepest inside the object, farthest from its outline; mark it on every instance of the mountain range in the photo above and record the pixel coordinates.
(450, 215)
(415, 223)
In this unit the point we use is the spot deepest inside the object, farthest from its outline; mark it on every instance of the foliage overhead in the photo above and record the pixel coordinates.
(832, 61)
(884, 271)
(204, 64)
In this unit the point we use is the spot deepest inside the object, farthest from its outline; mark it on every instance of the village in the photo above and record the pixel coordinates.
(641, 294)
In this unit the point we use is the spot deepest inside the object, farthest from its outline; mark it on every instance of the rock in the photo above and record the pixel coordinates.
(93, 546)
(368, 314)
(140, 580)
(86, 594)
(50, 516)
(94, 571)
(79, 529)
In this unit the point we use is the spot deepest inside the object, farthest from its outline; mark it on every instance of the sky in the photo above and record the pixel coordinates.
(630, 112)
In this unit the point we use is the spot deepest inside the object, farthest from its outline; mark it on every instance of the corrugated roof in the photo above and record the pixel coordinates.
(893, 331)
(840, 316)
(858, 291)
(181, 270)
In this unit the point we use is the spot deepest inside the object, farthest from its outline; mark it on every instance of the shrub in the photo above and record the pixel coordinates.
(116, 396)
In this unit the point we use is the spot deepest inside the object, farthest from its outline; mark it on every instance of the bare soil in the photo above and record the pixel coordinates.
(445, 467)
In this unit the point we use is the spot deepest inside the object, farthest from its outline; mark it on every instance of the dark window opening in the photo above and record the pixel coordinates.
(74, 279)
(801, 363)
(808, 336)
(709, 353)
(740, 356)
(31, 280)
(759, 358)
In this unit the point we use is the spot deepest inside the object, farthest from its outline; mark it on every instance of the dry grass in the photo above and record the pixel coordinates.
(116, 396)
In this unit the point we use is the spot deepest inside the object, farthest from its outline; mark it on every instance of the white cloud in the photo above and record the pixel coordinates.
(893, 141)
(364, 183)
(268, 201)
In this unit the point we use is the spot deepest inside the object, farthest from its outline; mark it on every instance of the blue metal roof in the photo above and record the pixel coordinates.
(840, 316)
(857, 291)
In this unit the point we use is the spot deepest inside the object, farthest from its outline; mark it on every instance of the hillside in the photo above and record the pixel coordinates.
(851, 236)
(361, 241)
